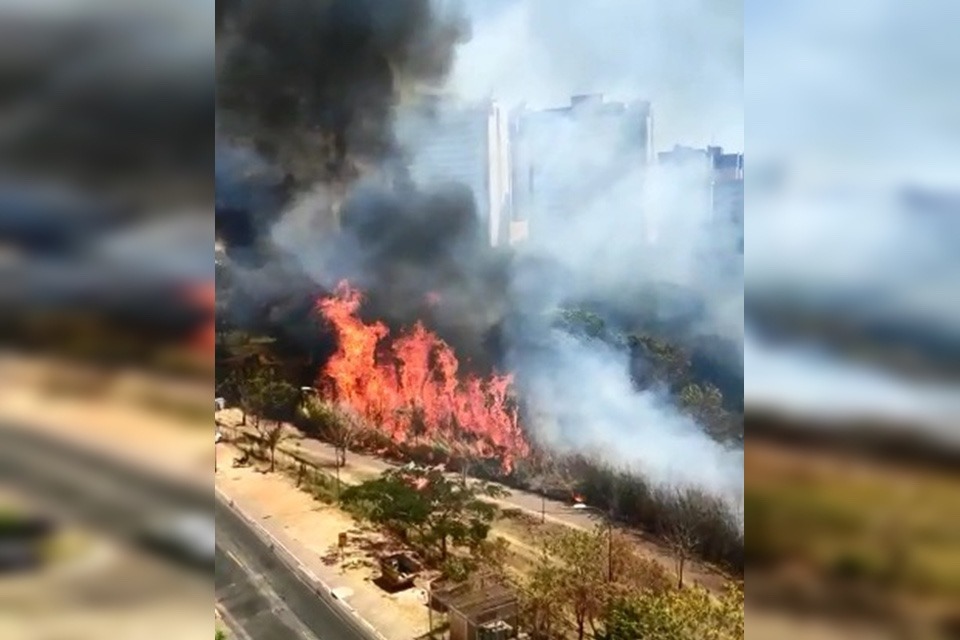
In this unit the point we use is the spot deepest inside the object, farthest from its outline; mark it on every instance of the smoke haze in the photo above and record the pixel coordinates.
(686, 57)
(636, 248)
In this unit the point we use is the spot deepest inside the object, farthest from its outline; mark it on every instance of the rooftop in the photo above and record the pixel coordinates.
(473, 598)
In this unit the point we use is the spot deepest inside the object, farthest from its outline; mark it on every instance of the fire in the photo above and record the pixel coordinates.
(411, 386)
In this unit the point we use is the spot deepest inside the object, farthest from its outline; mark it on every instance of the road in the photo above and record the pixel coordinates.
(259, 594)
(368, 465)
(555, 511)
(250, 579)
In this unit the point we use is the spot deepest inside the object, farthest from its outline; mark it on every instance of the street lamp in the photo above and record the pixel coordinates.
(580, 506)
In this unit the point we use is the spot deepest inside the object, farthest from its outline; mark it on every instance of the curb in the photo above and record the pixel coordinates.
(232, 625)
(290, 559)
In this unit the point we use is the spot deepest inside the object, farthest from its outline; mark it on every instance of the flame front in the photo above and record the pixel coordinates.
(410, 387)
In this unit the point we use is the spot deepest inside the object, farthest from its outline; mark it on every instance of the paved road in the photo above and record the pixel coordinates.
(529, 502)
(266, 598)
(251, 612)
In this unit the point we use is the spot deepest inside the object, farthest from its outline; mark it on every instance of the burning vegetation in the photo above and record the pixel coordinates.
(411, 387)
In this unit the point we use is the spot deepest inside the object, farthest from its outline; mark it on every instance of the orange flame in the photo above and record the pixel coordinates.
(410, 386)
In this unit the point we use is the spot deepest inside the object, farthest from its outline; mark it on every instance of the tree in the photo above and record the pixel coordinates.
(268, 399)
(683, 614)
(575, 567)
(541, 600)
(443, 513)
(582, 563)
(337, 427)
(622, 622)
(580, 322)
(271, 436)
(682, 538)
(662, 362)
(704, 403)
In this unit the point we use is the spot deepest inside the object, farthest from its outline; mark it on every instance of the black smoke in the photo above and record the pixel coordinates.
(416, 256)
(306, 95)
(312, 83)
(424, 255)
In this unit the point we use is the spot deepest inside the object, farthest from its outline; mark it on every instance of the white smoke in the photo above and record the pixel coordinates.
(589, 406)
(636, 229)
(685, 56)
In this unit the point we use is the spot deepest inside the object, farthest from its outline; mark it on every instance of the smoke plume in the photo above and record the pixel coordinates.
(638, 250)
(313, 82)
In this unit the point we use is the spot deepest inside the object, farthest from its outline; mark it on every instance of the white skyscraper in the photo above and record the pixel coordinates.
(565, 158)
(466, 144)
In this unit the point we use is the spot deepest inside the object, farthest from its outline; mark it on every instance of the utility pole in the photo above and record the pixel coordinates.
(610, 549)
(338, 480)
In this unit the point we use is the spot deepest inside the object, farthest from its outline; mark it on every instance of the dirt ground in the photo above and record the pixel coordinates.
(317, 526)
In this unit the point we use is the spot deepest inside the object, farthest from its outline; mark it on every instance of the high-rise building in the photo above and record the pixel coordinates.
(723, 178)
(564, 157)
(466, 144)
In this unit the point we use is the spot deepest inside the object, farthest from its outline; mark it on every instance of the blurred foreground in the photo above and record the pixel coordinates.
(109, 474)
(106, 320)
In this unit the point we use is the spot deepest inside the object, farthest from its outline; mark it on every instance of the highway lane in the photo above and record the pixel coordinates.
(250, 573)
(252, 610)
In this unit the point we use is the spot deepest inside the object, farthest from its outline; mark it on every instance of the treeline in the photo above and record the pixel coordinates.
(709, 526)
(689, 378)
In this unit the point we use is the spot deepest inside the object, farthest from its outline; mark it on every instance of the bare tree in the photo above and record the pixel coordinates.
(682, 538)
(336, 427)
(272, 435)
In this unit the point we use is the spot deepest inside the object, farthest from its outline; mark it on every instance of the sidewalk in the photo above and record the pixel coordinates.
(360, 467)
(309, 530)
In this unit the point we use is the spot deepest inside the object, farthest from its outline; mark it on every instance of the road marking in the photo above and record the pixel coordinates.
(231, 555)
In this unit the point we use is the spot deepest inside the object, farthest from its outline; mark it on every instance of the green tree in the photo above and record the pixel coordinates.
(277, 401)
(583, 564)
(541, 599)
(581, 322)
(681, 614)
(666, 364)
(442, 513)
(704, 403)
(622, 622)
